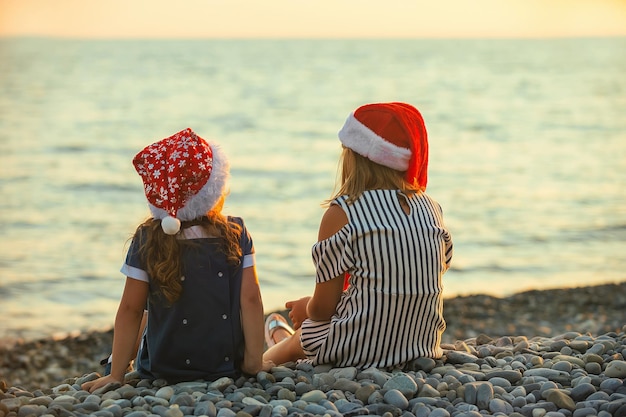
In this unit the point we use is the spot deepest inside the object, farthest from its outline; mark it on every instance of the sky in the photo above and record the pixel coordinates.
(312, 18)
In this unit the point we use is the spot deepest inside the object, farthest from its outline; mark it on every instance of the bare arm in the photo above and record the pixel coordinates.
(252, 321)
(127, 326)
(325, 298)
(297, 311)
(142, 327)
(323, 304)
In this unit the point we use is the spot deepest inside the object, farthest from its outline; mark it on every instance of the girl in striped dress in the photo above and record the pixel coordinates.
(381, 253)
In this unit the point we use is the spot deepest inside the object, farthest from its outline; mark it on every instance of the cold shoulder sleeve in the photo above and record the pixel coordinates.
(333, 256)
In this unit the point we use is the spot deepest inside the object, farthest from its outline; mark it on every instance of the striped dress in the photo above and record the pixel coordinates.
(392, 312)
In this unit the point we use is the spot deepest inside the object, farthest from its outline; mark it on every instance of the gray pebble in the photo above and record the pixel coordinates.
(137, 413)
(611, 384)
(348, 373)
(152, 400)
(165, 392)
(484, 395)
(584, 412)
(282, 372)
(252, 401)
(497, 405)
(302, 387)
(221, 384)
(500, 382)
(45, 400)
(127, 391)
(285, 394)
(335, 395)
(323, 381)
(287, 383)
(375, 398)
(428, 391)
(377, 376)
(564, 366)
(205, 408)
(455, 357)
(561, 399)
(396, 398)
(279, 411)
(479, 394)
(510, 375)
(103, 413)
(314, 396)
(403, 383)
(518, 402)
(315, 409)
(226, 412)
(344, 406)
(382, 408)
(439, 412)
(579, 345)
(345, 384)
(421, 410)
(361, 411)
(593, 368)
(598, 396)
(423, 364)
(182, 400)
(251, 410)
(31, 410)
(616, 369)
(364, 392)
(582, 391)
(110, 395)
(266, 411)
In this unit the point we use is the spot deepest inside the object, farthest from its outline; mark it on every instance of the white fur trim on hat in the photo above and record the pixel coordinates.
(208, 196)
(358, 137)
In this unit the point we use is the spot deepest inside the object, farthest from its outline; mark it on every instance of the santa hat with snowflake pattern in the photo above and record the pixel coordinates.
(390, 134)
(184, 177)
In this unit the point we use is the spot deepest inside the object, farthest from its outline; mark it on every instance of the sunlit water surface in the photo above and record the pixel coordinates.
(527, 157)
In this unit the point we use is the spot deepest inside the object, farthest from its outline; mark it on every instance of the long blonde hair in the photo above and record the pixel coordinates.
(161, 253)
(358, 174)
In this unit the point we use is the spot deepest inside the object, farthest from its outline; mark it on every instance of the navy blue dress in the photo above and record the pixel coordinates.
(200, 336)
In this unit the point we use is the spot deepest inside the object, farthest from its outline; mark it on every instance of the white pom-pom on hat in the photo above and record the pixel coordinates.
(170, 225)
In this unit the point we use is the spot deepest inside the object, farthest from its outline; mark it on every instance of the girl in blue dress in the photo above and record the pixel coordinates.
(194, 269)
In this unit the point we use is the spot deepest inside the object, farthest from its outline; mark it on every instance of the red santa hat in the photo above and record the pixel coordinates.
(183, 176)
(390, 134)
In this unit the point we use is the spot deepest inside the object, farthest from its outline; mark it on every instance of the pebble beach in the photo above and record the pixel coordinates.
(550, 353)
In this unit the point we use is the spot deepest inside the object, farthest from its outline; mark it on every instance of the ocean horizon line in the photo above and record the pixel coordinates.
(310, 38)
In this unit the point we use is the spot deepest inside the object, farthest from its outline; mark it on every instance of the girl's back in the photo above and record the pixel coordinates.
(392, 311)
(194, 269)
(200, 336)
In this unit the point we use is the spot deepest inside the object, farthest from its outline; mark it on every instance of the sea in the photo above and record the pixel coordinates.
(527, 157)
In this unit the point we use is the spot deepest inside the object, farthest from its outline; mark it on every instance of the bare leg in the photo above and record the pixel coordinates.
(287, 350)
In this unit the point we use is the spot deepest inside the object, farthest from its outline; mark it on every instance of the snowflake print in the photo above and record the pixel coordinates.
(174, 169)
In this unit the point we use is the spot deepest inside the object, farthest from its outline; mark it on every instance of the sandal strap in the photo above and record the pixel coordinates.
(279, 323)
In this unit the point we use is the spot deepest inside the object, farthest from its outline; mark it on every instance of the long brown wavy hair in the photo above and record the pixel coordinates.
(161, 253)
(358, 174)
